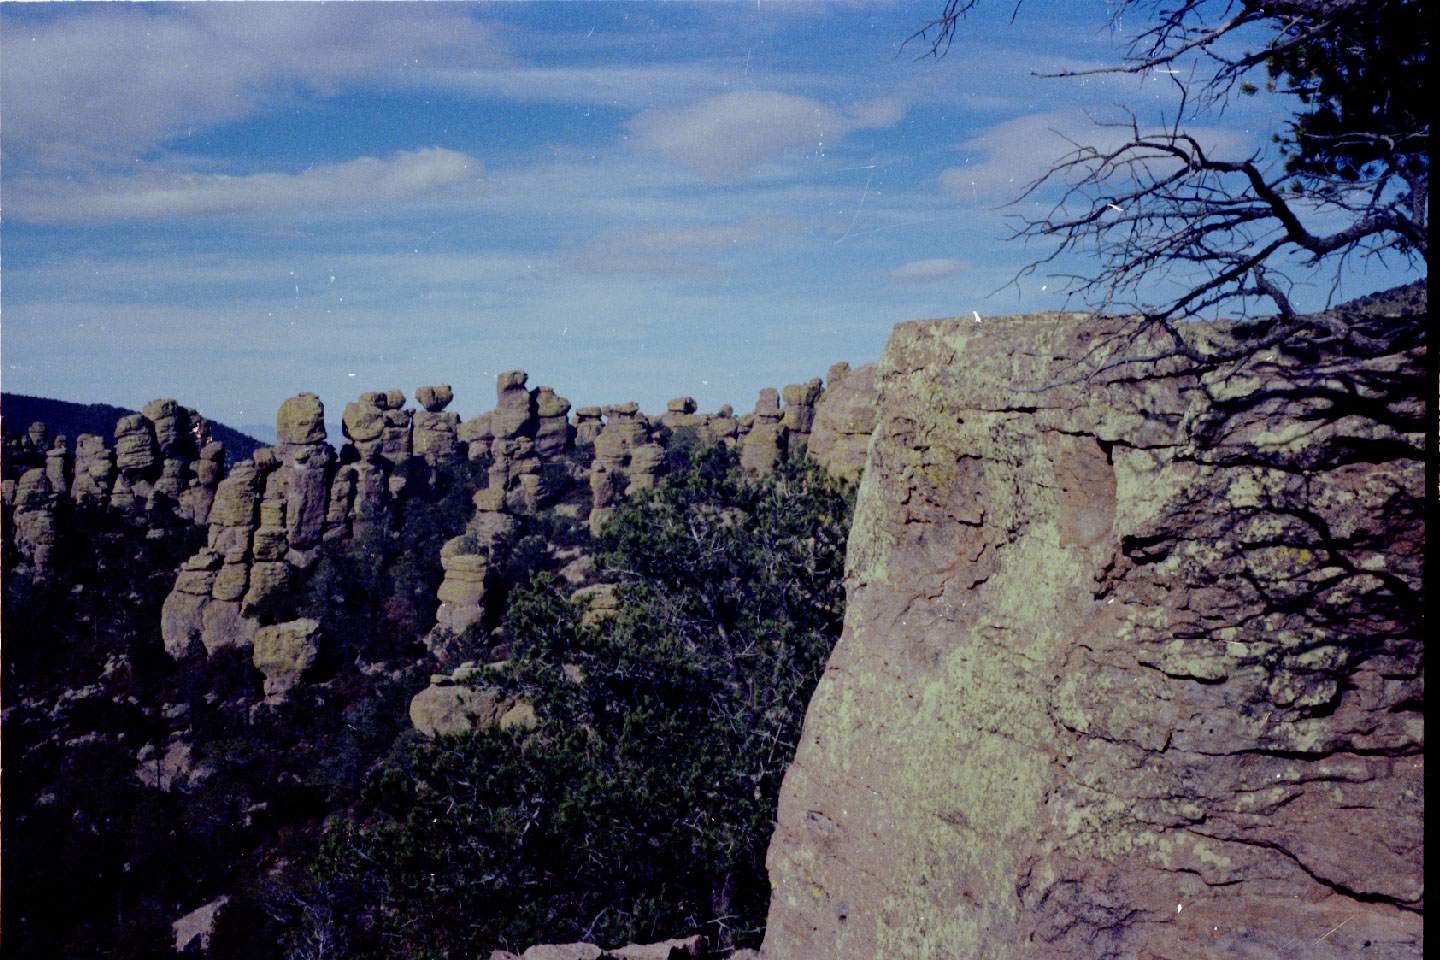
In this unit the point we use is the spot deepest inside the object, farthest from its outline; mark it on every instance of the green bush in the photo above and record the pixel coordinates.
(642, 805)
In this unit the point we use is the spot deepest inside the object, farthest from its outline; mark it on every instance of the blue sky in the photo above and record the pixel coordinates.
(231, 203)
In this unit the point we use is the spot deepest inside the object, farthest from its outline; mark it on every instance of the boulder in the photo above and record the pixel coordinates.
(301, 420)
(446, 710)
(193, 931)
(363, 421)
(284, 652)
(434, 399)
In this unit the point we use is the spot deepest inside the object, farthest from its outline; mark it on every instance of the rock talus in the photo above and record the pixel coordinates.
(1131, 665)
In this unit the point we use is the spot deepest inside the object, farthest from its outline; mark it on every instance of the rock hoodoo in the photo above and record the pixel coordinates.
(1132, 663)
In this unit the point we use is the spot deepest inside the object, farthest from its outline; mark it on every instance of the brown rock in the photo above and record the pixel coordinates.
(284, 652)
(363, 421)
(446, 710)
(301, 420)
(434, 399)
(1098, 691)
(844, 420)
(514, 413)
(134, 444)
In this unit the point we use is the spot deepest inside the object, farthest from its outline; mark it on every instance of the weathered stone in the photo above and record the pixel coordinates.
(300, 420)
(514, 408)
(588, 424)
(396, 442)
(434, 399)
(440, 711)
(844, 420)
(799, 413)
(197, 926)
(223, 625)
(363, 421)
(269, 578)
(306, 491)
(167, 422)
(764, 446)
(231, 580)
(645, 463)
(236, 496)
(1100, 689)
(284, 652)
(134, 444)
(767, 407)
(39, 434)
(435, 436)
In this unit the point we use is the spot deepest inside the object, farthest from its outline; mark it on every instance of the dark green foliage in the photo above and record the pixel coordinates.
(642, 805)
(73, 419)
(1362, 84)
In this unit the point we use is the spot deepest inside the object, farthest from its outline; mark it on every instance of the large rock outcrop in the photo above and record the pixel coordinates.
(1132, 663)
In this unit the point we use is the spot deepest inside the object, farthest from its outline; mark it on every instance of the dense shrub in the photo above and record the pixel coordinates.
(641, 806)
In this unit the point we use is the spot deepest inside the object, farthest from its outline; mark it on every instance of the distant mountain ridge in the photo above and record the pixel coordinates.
(18, 411)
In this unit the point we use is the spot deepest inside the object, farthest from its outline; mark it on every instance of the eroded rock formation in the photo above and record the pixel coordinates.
(1132, 662)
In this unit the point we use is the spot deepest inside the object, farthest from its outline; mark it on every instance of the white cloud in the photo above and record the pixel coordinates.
(352, 185)
(924, 271)
(727, 138)
(1008, 157)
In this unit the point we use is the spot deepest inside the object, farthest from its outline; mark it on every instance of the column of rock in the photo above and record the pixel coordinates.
(204, 605)
(588, 424)
(203, 480)
(397, 445)
(435, 431)
(798, 417)
(57, 464)
(477, 436)
(609, 474)
(765, 443)
(364, 482)
(552, 423)
(135, 459)
(34, 517)
(94, 470)
(844, 420)
(306, 466)
(466, 562)
(175, 430)
(512, 451)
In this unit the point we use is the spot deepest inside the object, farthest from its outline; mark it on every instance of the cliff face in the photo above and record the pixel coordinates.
(1131, 663)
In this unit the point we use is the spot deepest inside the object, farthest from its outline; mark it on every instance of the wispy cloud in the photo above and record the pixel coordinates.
(353, 185)
(727, 138)
(925, 271)
(686, 251)
(1008, 157)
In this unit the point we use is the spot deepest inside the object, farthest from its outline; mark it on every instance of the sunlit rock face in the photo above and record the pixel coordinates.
(1131, 664)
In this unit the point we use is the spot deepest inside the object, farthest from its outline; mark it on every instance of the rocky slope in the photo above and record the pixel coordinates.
(1132, 662)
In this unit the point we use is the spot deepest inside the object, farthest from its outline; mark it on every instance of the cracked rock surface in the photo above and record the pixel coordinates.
(1132, 663)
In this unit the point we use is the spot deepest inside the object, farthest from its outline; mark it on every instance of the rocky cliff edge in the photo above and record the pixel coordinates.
(1131, 664)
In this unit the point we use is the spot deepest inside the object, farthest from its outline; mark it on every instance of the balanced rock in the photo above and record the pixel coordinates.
(301, 420)
(514, 407)
(434, 399)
